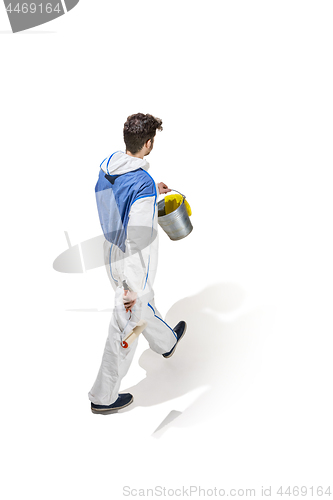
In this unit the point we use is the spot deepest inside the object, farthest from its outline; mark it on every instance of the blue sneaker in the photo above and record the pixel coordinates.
(122, 401)
(179, 330)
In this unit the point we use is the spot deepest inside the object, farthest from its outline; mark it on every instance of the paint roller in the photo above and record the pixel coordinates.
(133, 334)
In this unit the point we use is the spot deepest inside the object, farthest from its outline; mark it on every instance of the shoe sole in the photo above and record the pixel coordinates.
(173, 351)
(108, 411)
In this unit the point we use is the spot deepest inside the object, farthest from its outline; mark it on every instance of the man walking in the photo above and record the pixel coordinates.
(126, 198)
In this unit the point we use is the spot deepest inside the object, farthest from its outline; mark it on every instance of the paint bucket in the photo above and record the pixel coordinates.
(176, 224)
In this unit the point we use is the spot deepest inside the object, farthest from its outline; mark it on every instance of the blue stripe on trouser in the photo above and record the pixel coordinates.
(151, 307)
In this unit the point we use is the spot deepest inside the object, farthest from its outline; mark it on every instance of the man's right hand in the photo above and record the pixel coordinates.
(129, 299)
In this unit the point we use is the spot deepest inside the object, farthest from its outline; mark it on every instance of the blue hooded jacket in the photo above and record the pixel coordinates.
(116, 193)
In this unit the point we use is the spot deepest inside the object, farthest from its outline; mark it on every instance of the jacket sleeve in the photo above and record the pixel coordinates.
(140, 235)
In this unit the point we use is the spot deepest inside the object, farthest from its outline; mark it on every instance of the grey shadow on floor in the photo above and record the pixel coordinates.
(163, 425)
(92, 309)
(215, 352)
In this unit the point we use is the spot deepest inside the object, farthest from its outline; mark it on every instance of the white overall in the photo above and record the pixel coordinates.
(137, 269)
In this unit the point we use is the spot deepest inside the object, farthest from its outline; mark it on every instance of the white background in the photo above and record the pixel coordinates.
(244, 89)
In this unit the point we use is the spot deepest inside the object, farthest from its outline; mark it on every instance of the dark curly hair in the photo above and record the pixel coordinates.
(138, 129)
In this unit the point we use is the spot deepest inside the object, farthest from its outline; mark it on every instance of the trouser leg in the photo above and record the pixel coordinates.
(159, 334)
(116, 360)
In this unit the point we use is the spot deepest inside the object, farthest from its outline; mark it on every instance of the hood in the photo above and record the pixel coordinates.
(121, 163)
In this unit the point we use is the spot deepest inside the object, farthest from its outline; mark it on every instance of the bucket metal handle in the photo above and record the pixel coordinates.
(178, 193)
